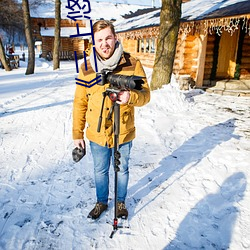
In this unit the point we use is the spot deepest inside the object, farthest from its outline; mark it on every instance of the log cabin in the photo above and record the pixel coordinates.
(43, 31)
(43, 22)
(213, 41)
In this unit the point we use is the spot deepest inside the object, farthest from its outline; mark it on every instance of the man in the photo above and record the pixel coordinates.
(87, 107)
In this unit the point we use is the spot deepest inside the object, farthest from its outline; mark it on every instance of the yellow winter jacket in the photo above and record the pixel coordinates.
(88, 101)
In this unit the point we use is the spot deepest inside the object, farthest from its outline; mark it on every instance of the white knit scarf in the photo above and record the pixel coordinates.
(109, 64)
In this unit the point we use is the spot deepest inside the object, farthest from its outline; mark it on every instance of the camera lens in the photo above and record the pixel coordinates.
(113, 96)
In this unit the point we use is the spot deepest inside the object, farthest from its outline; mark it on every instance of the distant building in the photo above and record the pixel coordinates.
(43, 23)
(43, 32)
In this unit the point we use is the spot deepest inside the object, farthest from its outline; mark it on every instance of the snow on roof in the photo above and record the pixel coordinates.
(192, 10)
(146, 20)
(105, 10)
(65, 31)
(198, 9)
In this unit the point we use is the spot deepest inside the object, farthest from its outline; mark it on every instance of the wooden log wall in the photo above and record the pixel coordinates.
(67, 44)
(245, 60)
(209, 58)
(131, 46)
(190, 56)
(47, 45)
(186, 55)
(178, 61)
(146, 59)
(80, 45)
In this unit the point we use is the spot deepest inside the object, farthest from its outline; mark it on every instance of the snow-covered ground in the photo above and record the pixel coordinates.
(189, 170)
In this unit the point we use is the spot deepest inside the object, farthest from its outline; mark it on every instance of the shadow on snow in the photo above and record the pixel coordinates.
(23, 110)
(209, 215)
(209, 225)
(190, 153)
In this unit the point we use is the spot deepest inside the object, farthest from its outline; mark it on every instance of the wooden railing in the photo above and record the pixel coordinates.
(63, 55)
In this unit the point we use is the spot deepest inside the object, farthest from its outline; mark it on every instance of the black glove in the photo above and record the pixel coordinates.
(78, 153)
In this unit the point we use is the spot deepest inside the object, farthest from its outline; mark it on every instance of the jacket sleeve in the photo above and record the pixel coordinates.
(80, 105)
(141, 97)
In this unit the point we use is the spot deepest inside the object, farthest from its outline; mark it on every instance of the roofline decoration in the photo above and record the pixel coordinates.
(219, 25)
(208, 26)
(140, 33)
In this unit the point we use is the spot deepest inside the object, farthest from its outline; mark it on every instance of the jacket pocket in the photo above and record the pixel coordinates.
(127, 120)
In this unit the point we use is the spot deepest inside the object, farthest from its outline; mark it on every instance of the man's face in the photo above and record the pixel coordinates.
(105, 42)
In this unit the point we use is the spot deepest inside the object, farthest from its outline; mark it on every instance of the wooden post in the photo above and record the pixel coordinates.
(201, 60)
(144, 45)
(140, 42)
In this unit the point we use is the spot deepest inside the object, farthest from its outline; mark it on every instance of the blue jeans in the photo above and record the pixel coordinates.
(102, 157)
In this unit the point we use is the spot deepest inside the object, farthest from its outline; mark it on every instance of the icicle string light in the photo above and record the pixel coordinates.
(206, 27)
(217, 25)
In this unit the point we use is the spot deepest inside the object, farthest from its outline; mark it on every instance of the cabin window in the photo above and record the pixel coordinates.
(146, 45)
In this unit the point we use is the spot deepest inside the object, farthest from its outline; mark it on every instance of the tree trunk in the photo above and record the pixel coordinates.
(168, 34)
(3, 57)
(29, 38)
(56, 59)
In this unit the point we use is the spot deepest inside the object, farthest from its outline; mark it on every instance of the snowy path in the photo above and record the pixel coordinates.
(189, 171)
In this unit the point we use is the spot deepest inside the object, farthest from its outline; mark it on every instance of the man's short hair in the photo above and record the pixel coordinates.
(103, 24)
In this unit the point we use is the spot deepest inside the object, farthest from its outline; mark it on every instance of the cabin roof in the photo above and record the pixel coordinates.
(98, 10)
(194, 10)
(65, 31)
(208, 9)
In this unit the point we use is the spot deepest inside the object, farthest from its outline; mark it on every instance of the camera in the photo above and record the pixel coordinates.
(120, 81)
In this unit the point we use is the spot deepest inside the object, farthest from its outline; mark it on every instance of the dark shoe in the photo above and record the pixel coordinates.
(122, 211)
(97, 210)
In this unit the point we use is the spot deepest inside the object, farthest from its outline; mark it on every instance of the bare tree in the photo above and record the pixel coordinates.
(11, 24)
(56, 59)
(28, 33)
(168, 34)
(3, 57)
(11, 16)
